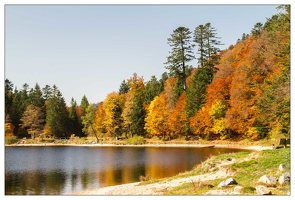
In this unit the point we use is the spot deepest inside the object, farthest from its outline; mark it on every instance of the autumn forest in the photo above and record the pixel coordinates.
(242, 92)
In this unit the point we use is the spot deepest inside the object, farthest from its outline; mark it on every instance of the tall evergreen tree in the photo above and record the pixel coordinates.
(76, 126)
(47, 92)
(196, 93)
(123, 87)
(206, 39)
(16, 110)
(211, 47)
(138, 116)
(182, 52)
(200, 34)
(84, 104)
(8, 96)
(151, 90)
(36, 96)
(57, 116)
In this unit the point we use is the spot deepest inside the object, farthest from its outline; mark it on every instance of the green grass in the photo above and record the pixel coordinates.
(250, 166)
(248, 172)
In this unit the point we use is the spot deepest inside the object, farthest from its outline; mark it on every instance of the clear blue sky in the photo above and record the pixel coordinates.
(91, 49)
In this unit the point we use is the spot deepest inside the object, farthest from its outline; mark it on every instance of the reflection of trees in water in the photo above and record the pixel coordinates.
(54, 182)
(116, 166)
(35, 183)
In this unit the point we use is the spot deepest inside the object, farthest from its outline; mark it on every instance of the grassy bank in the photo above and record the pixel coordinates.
(246, 170)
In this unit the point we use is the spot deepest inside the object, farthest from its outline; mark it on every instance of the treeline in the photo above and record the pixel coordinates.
(242, 91)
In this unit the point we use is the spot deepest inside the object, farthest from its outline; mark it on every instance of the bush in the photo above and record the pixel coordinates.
(10, 140)
(136, 140)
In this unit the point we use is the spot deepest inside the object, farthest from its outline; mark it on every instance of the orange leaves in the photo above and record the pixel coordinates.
(201, 123)
(136, 83)
(177, 119)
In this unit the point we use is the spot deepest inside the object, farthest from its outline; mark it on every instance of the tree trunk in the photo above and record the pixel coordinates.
(97, 140)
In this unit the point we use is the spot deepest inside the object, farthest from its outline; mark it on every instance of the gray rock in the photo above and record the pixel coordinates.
(282, 167)
(229, 181)
(268, 180)
(238, 189)
(262, 190)
(285, 178)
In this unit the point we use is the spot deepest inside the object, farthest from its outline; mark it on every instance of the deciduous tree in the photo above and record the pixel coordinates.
(157, 117)
(33, 120)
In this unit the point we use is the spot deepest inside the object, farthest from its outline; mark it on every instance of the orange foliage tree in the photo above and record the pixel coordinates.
(177, 121)
(201, 123)
(100, 117)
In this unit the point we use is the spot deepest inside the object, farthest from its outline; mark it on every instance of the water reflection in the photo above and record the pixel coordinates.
(64, 170)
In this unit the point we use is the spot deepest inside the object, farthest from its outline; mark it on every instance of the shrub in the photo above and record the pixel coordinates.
(10, 140)
(136, 140)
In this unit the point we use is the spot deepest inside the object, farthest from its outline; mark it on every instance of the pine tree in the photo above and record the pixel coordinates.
(47, 92)
(200, 34)
(123, 87)
(36, 96)
(76, 126)
(84, 104)
(138, 116)
(182, 52)
(196, 93)
(8, 96)
(151, 90)
(57, 116)
(206, 39)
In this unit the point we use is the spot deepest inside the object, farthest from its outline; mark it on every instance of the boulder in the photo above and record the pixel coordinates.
(282, 167)
(238, 189)
(285, 178)
(262, 190)
(268, 180)
(229, 181)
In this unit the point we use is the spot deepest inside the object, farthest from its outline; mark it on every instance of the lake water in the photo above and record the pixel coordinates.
(62, 170)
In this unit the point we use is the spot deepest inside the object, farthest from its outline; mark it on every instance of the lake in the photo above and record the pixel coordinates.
(62, 170)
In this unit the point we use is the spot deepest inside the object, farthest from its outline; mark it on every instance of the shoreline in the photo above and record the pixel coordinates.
(154, 188)
(250, 147)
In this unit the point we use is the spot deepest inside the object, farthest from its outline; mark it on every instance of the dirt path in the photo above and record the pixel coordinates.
(150, 189)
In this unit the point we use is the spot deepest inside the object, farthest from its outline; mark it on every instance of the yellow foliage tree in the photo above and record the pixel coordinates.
(100, 116)
(201, 123)
(9, 128)
(113, 107)
(156, 120)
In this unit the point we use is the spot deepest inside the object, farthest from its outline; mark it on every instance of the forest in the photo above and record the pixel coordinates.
(240, 92)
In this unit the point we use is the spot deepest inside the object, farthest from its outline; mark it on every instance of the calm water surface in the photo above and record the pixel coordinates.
(63, 170)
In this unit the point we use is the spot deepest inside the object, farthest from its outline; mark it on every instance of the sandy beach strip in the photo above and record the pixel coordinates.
(230, 146)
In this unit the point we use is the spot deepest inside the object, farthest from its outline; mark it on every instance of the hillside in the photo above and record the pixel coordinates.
(242, 92)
